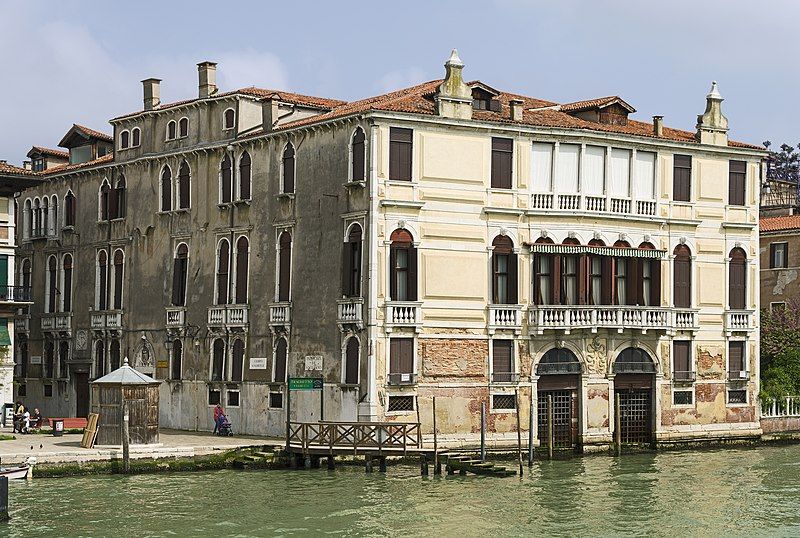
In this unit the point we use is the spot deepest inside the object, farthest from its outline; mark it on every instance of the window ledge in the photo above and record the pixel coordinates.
(181, 210)
(353, 184)
(224, 205)
(349, 385)
(285, 196)
(243, 202)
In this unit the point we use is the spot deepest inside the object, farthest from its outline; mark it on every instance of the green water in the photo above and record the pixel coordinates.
(733, 492)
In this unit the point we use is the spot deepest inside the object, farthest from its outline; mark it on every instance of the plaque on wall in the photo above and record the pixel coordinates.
(258, 363)
(81, 339)
(313, 362)
(36, 359)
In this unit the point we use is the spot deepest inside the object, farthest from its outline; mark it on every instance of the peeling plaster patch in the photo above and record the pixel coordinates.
(784, 279)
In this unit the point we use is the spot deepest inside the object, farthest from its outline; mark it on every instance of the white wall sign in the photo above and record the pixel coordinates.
(258, 363)
(36, 359)
(313, 362)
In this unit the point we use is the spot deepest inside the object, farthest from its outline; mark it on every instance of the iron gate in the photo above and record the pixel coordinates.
(563, 431)
(635, 415)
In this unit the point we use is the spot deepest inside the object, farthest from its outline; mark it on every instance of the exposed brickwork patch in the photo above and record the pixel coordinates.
(454, 358)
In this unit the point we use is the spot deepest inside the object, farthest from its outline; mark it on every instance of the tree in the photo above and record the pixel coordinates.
(783, 165)
(780, 351)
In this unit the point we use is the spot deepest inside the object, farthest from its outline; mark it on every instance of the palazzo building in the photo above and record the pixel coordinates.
(449, 239)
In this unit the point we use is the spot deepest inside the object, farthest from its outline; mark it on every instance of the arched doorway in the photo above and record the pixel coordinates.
(559, 375)
(634, 385)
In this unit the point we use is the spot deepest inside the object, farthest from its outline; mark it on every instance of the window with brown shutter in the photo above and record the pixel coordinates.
(102, 280)
(180, 275)
(284, 266)
(504, 269)
(400, 151)
(681, 362)
(403, 267)
(682, 178)
(737, 279)
(401, 361)
(166, 189)
(184, 179)
(736, 362)
(281, 356)
(737, 170)
(52, 291)
(682, 283)
(136, 137)
(288, 166)
(223, 261)
(244, 176)
(225, 180)
(171, 130)
(358, 155)
(229, 119)
(502, 158)
(502, 361)
(351, 362)
(242, 269)
(119, 269)
(69, 209)
(66, 292)
(119, 206)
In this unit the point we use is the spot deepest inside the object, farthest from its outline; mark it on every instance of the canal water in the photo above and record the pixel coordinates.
(731, 492)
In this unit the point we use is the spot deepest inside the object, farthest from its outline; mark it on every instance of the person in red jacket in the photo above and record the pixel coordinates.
(219, 413)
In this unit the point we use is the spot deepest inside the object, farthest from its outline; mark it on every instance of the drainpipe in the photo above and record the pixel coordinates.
(372, 384)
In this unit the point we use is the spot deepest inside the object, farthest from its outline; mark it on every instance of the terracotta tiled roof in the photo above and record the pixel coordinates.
(6, 168)
(92, 133)
(70, 167)
(49, 151)
(589, 104)
(775, 224)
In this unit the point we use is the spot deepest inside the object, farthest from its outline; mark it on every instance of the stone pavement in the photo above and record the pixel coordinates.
(172, 443)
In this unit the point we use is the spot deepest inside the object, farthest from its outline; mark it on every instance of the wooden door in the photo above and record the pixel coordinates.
(81, 394)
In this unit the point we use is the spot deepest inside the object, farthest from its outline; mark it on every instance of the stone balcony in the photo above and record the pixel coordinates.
(570, 203)
(280, 315)
(738, 321)
(505, 316)
(403, 314)
(106, 320)
(350, 311)
(644, 318)
(57, 322)
(16, 295)
(176, 317)
(230, 316)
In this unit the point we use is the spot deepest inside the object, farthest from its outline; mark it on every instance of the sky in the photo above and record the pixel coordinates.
(82, 61)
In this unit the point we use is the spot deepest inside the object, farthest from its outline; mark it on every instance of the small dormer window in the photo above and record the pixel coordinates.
(38, 165)
(483, 99)
(229, 119)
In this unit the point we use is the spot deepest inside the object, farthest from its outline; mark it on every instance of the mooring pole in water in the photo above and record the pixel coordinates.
(519, 432)
(531, 419)
(617, 428)
(437, 469)
(550, 426)
(4, 499)
(126, 448)
(483, 432)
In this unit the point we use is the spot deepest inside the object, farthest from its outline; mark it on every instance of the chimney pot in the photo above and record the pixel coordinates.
(207, 74)
(516, 109)
(152, 93)
(658, 125)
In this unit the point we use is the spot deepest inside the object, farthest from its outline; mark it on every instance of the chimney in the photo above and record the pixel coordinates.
(453, 97)
(269, 114)
(658, 126)
(27, 165)
(207, 72)
(712, 125)
(516, 109)
(152, 93)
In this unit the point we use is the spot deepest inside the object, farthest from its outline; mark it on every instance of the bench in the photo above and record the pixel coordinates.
(72, 423)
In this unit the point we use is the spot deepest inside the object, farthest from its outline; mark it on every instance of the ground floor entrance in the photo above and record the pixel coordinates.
(81, 393)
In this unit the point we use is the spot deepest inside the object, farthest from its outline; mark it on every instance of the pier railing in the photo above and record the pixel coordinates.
(355, 436)
(788, 406)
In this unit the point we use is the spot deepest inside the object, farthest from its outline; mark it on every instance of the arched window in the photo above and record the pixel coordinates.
(358, 156)
(287, 169)
(101, 300)
(63, 358)
(184, 184)
(177, 359)
(279, 370)
(69, 209)
(223, 261)
(119, 269)
(54, 215)
(229, 119)
(504, 271)
(171, 130)
(105, 193)
(225, 179)
(284, 267)
(27, 219)
(114, 354)
(119, 199)
(52, 287)
(66, 283)
(37, 218)
(402, 267)
(136, 137)
(558, 361)
(682, 277)
(351, 360)
(124, 140)
(238, 360)
(183, 127)
(634, 360)
(45, 212)
(99, 359)
(180, 275)
(351, 266)
(218, 359)
(244, 176)
(166, 189)
(49, 359)
(242, 260)
(737, 279)
(26, 273)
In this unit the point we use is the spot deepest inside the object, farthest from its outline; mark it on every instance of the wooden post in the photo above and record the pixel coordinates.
(126, 455)
(288, 409)
(617, 426)
(437, 468)
(382, 464)
(4, 498)
(419, 422)
(368, 463)
(519, 431)
(531, 419)
(483, 432)
(423, 465)
(550, 435)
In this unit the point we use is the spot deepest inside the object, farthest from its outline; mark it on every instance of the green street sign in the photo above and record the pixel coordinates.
(305, 383)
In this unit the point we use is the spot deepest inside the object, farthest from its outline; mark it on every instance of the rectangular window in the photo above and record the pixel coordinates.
(545, 288)
(737, 397)
(400, 150)
(622, 272)
(500, 278)
(214, 397)
(48, 391)
(596, 280)
(502, 158)
(682, 397)
(778, 255)
(737, 170)
(401, 403)
(645, 175)
(504, 402)
(777, 307)
(681, 362)
(401, 361)
(22, 390)
(569, 280)
(594, 168)
(737, 365)
(647, 282)
(276, 400)
(502, 361)
(568, 162)
(541, 167)
(233, 398)
(682, 178)
(619, 185)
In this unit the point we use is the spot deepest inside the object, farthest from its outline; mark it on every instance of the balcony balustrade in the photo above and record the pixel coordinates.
(106, 319)
(22, 324)
(350, 311)
(280, 314)
(567, 318)
(505, 316)
(57, 321)
(176, 316)
(738, 320)
(15, 294)
(228, 315)
(592, 203)
(403, 314)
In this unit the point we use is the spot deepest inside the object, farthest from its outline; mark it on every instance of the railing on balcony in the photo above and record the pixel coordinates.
(738, 375)
(228, 315)
(176, 316)
(684, 319)
(645, 207)
(620, 205)
(106, 319)
(570, 202)
(738, 320)
(541, 201)
(403, 314)
(680, 376)
(22, 324)
(15, 294)
(402, 378)
(505, 316)
(594, 203)
(788, 406)
(350, 311)
(593, 317)
(58, 321)
(280, 314)
(505, 377)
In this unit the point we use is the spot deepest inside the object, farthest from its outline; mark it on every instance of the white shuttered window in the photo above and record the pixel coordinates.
(620, 173)
(541, 167)
(594, 168)
(645, 175)
(567, 169)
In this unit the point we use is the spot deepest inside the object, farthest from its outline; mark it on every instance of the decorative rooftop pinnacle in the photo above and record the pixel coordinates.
(454, 60)
(453, 96)
(712, 125)
(714, 92)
